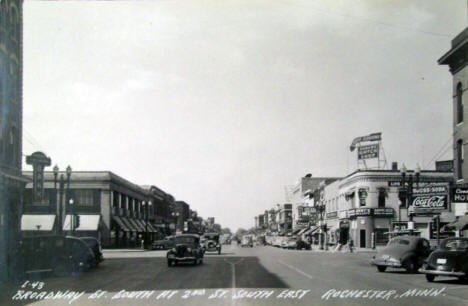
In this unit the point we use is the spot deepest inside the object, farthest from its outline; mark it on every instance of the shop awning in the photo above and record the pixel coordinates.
(37, 222)
(152, 228)
(143, 225)
(135, 225)
(87, 223)
(129, 224)
(302, 231)
(121, 224)
(311, 230)
(460, 224)
(296, 231)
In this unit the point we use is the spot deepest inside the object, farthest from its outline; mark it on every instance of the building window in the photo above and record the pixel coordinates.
(460, 159)
(382, 197)
(459, 103)
(85, 197)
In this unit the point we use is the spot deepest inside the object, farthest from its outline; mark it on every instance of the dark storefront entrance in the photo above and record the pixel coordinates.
(362, 238)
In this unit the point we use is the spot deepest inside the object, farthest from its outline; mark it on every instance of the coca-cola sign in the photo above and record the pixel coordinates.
(429, 203)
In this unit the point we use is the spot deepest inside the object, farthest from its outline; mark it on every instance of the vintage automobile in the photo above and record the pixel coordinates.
(302, 245)
(57, 254)
(95, 246)
(164, 244)
(247, 241)
(211, 243)
(406, 252)
(450, 259)
(186, 249)
(289, 242)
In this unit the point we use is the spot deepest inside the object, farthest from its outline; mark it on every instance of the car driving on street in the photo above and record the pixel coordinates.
(407, 252)
(450, 259)
(186, 249)
(211, 243)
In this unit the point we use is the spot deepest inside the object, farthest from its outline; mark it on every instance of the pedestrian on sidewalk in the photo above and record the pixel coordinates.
(351, 245)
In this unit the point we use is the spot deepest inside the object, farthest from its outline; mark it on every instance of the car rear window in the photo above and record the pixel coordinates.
(455, 244)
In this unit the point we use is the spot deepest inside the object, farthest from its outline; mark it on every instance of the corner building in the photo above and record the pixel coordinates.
(365, 205)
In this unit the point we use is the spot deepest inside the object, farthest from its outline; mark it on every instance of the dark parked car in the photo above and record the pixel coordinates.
(164, 244)
(450, 259)
(211, 243)
(57, 254)
(302, 245)
(406, 252)
(186, 249)
(95, 246)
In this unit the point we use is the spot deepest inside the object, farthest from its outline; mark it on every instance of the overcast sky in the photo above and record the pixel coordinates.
(223, 103)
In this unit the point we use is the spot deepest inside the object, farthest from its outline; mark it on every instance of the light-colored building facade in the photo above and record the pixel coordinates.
(365, 205)
(114, 210)
(299, 198)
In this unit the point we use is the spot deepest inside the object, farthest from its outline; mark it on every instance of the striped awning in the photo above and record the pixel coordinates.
(121, 224)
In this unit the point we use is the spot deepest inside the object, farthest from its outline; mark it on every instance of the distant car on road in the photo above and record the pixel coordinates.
(247, 241)
(211, 243)
(164, 244)
(450, 259)
(95, 246)
(186, 249)
(57, 254)
(406, 252)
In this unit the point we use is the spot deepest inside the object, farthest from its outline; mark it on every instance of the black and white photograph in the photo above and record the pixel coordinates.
(233, 152)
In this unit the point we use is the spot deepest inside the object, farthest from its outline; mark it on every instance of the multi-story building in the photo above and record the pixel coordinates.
(266, 222)
(299, 198)
(285, 220)
(182, 215)
(11, 108)
(366, 204)
(117, 212)
(457, 59)
(261, 221)
(272, 221)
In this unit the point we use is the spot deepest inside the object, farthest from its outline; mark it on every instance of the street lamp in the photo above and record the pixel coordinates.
(147, 208)
(72, 217)
(62, 186)
(175, 215)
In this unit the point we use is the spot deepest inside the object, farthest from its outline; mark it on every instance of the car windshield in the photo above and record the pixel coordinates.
(184, 240)
(211, 237)
(398, 241)
(454, 244)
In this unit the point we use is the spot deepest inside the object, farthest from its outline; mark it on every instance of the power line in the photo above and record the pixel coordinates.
(388, 24)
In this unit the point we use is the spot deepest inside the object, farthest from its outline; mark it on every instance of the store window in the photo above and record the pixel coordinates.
(382, 197)
(459, 103)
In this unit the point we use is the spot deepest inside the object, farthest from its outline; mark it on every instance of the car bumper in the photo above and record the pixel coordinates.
(386, 263)
(179, 259)
(211, 249)
(442, 273)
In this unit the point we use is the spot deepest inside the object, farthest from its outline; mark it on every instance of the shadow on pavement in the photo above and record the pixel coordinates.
(153, 273)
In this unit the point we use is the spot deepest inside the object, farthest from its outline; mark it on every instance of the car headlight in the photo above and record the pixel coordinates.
(189, 250)
(174, 250)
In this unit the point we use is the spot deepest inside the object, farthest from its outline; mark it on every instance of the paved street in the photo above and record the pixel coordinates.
(263, 272)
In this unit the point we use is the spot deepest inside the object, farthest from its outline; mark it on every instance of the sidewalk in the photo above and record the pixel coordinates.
(123, 250)
(331, 249)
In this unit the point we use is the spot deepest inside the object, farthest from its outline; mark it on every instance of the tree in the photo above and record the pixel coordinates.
(226, 230)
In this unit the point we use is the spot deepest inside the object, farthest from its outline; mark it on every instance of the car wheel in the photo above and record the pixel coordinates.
(411, 266)
(62, 269)
(381, 268)
(430, 277)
